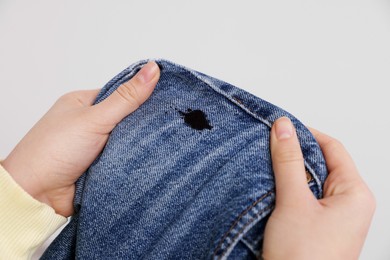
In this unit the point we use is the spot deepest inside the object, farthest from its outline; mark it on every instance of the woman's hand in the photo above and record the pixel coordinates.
(62, 145)
(302, 227)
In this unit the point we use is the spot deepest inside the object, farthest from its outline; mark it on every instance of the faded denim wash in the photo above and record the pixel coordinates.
(186, 176)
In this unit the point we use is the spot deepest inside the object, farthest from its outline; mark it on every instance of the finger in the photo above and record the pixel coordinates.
(288, 164)
(336, 156)
(128, 96)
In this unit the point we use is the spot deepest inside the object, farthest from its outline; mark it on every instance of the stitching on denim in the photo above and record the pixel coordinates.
(239, 218)
(247, 224)
(252, 241)
(223, 93)
(249, 245)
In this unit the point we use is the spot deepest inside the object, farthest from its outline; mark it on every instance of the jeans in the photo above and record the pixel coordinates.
(186, 176)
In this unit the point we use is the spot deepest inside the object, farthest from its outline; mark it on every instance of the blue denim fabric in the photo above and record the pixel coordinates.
(186, 176)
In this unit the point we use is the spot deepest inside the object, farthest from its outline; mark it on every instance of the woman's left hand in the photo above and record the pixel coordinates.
(61, 146)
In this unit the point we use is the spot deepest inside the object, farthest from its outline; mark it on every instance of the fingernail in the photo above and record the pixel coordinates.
(283, 128)
(147, 73)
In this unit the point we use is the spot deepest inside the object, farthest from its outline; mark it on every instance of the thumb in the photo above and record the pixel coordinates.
(128, 96)
(287, 163)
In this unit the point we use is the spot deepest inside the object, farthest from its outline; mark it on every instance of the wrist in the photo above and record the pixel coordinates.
(23, 176)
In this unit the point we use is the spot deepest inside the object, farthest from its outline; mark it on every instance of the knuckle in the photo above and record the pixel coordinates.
(289, 156)
(129, 93)
(334, 145)
(69, 98)
(74, 97)
(365, 196)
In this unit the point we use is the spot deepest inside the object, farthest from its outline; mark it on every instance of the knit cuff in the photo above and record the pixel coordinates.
(25, 223)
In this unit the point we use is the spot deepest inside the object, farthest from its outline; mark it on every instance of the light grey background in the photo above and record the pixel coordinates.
(326, 62)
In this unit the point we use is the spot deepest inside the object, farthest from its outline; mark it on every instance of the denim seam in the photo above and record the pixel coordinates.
(227, 247)
(235, 223)
(257, 116)
(252, 241)
(249, 244)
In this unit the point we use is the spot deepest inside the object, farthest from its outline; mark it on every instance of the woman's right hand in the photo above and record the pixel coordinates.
(302, 227)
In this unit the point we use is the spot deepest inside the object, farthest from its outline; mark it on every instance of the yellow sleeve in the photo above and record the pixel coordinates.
(25, 223)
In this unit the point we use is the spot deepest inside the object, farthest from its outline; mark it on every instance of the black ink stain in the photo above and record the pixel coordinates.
(196, 119)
